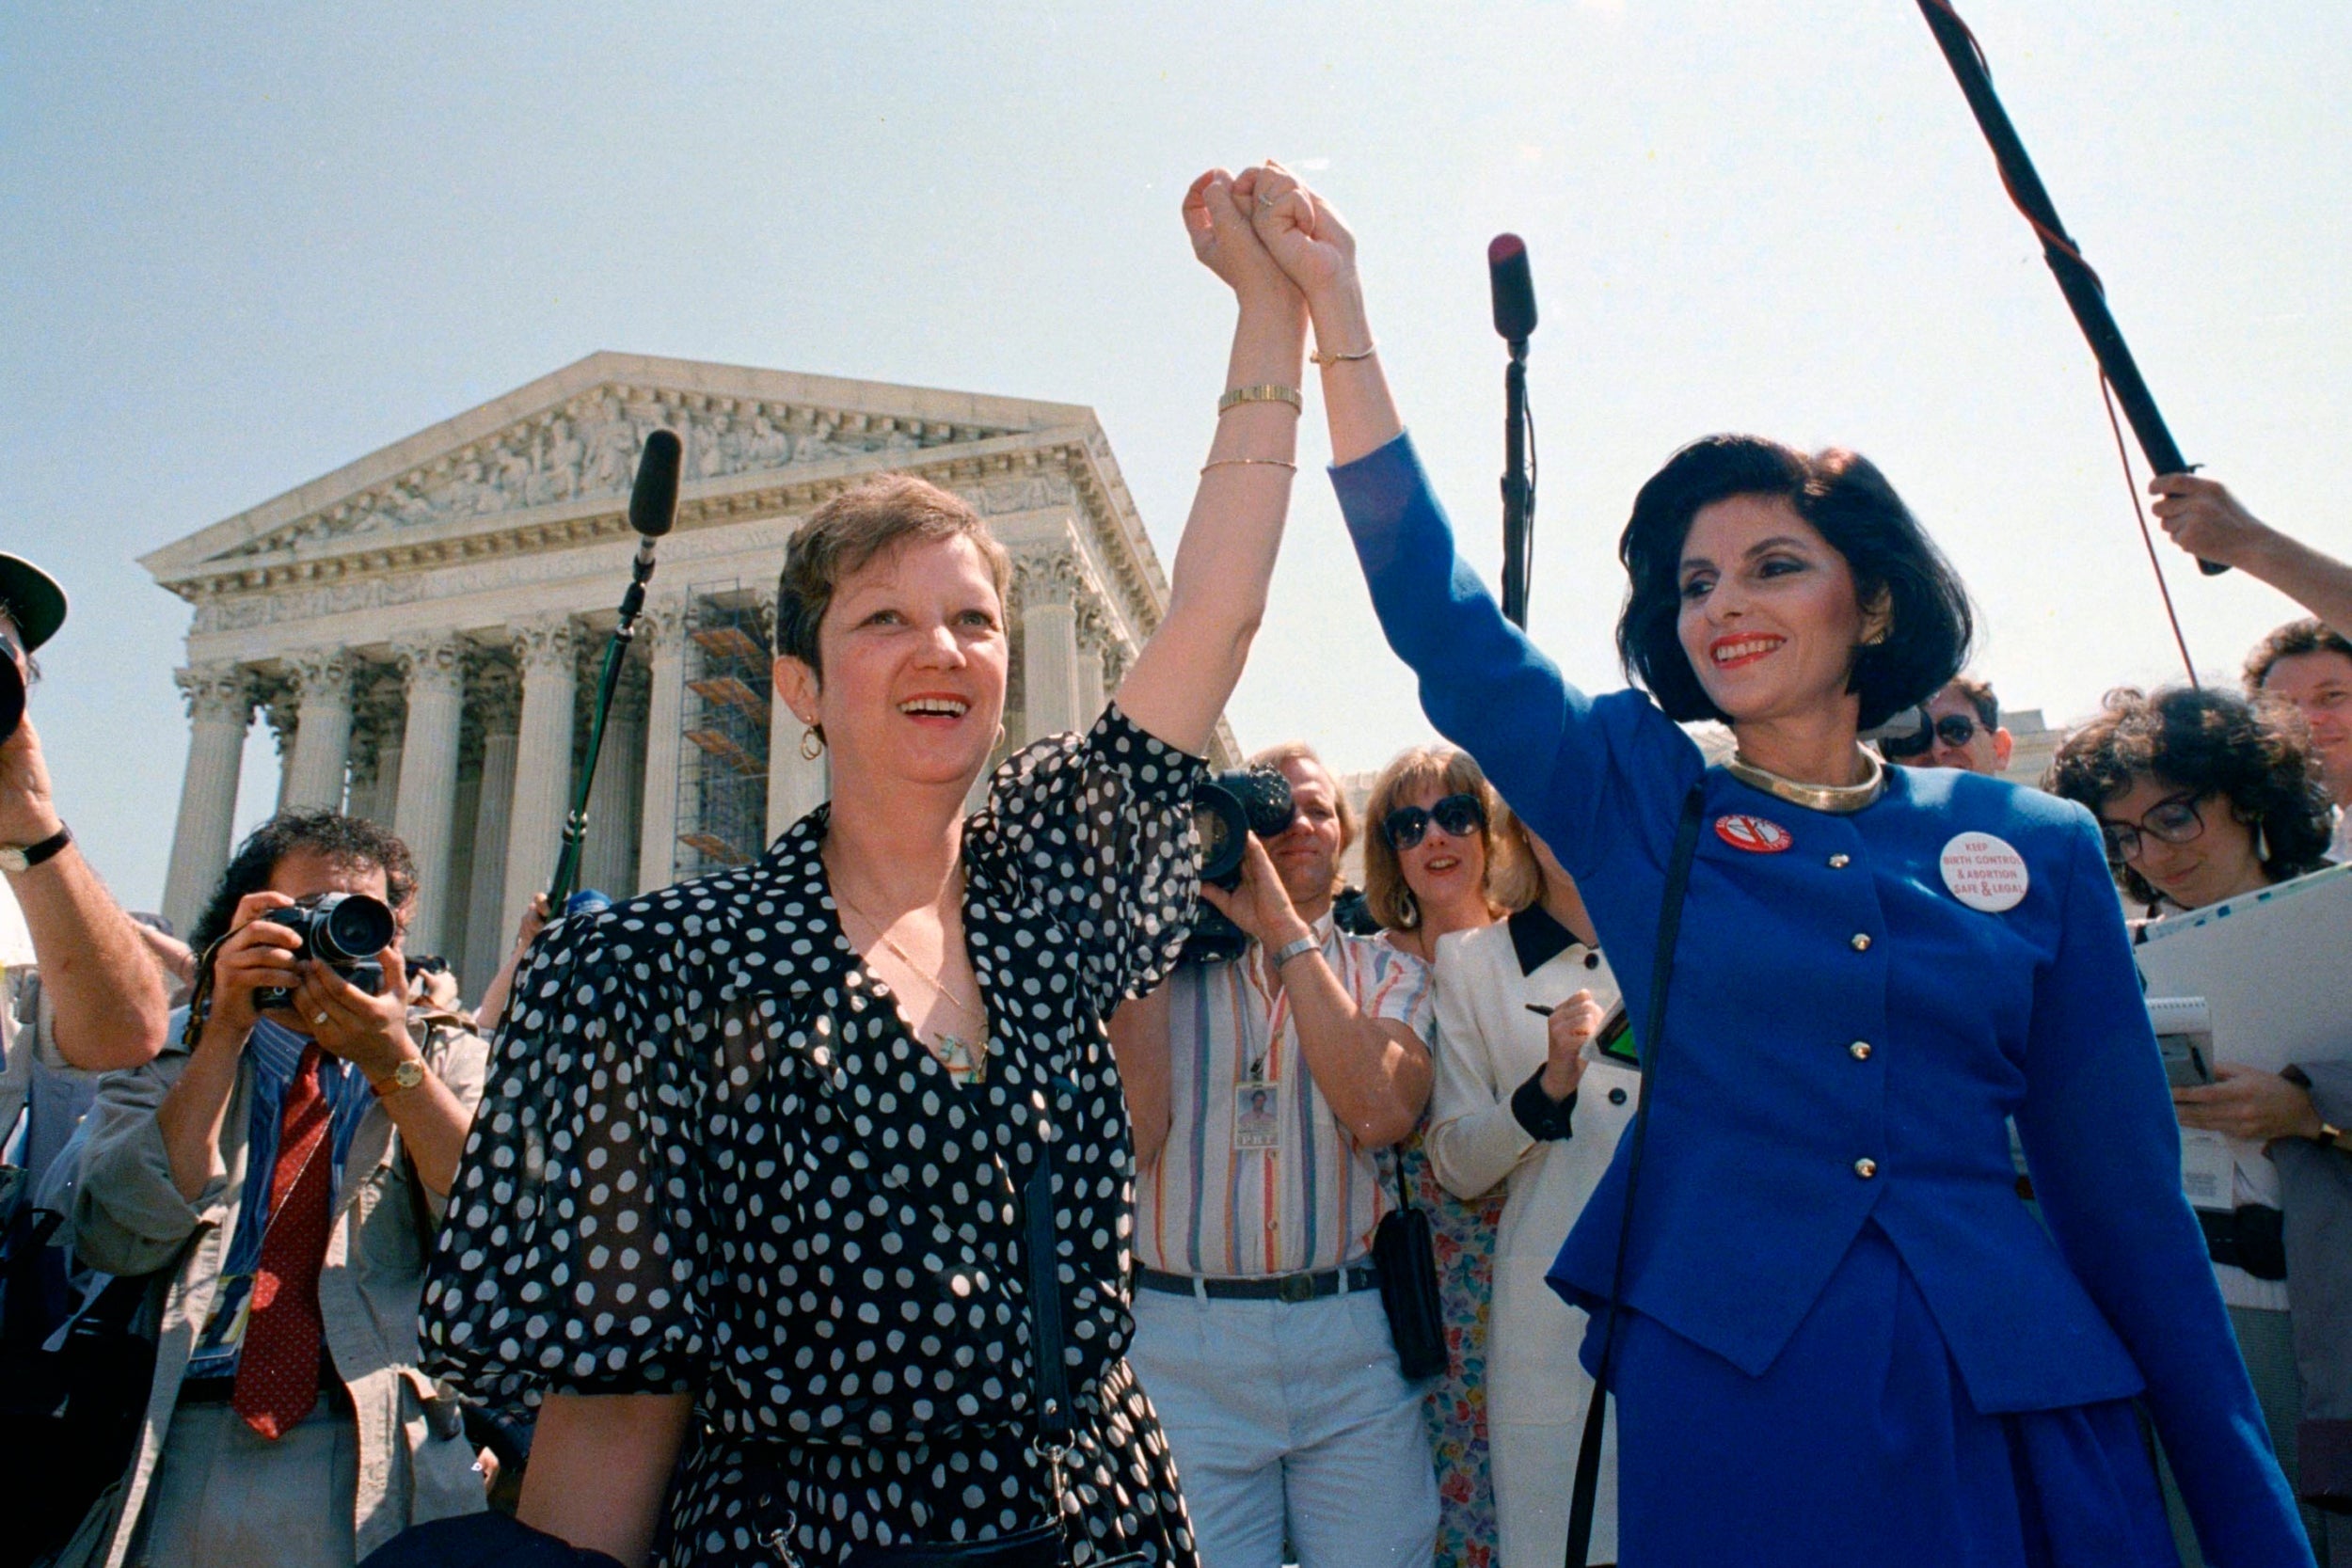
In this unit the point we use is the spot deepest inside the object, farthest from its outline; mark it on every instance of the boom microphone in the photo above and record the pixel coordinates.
(1514, 288)
(653, 501)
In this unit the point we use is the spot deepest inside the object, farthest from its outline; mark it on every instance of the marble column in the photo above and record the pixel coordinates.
(314, 775)
(424, 807)
(609, 857)
(1094, 646)
(1048, 582)
(547, 649)
(661, 632)
(499, 706)
(220, 710)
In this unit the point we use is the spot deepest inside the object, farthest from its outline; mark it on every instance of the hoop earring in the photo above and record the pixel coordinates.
(1409, 907)
(1000, 734)
(812, 743)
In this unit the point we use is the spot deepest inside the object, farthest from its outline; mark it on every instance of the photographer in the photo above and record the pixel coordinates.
(279, 1167)
(1260, 1089)
(105, 994)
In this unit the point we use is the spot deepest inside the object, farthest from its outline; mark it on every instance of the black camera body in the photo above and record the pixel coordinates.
(342, 930)
(1226, 810)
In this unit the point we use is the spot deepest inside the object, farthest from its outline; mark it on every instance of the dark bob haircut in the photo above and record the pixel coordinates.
(1845, 498)
(331, 834)
(2208, 743)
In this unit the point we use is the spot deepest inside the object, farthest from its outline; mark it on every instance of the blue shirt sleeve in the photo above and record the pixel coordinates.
(1567, 763)
(2105, 1150)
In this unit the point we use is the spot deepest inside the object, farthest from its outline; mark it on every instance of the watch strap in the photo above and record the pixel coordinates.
(48, 849)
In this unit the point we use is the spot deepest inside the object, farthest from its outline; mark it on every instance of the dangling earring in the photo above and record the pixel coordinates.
(1409, 907)
(2262, 843)
(812, 743)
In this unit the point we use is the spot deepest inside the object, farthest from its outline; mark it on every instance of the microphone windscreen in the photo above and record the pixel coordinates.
(652, 504)
(1513, 287)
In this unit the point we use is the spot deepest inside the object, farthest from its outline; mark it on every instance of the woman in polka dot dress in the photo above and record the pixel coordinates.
(743, 1207)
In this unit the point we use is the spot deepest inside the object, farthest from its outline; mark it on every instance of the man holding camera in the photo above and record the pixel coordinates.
(102, 995)
(279, 1167)
(1964, 731)
(1261, 1089)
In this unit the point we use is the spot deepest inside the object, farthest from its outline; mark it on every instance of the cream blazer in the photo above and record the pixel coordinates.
(1488, 1045)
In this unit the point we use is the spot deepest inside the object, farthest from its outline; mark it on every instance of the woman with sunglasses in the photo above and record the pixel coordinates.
(1431, 870)
(1842, 1338)
(2203, 797)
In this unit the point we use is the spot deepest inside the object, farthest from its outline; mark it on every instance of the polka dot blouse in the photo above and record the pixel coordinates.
(712, 1159)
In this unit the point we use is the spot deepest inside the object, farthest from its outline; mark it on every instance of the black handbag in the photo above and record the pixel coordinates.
(1585, 1494)
(1407, 1260)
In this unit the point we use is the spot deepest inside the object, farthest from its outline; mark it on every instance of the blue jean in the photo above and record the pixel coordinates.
(1290, 1415)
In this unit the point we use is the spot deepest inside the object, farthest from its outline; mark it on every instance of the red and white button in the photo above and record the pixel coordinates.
(1755, 834)
(1984, 872)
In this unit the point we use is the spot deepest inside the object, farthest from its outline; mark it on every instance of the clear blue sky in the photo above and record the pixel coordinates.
(244, 245)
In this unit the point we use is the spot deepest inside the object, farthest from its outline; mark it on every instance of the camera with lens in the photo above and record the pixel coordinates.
(342, 930)
(1226, 810)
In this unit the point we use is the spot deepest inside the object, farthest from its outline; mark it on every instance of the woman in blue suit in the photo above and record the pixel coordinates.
(1845, 1340)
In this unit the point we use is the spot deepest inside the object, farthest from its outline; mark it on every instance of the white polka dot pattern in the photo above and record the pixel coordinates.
(712, 1159)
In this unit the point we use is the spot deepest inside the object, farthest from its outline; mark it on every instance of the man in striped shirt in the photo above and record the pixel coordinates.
(1263, 1092)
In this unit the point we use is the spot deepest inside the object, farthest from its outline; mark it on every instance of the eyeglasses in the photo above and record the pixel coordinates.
(2173, 821)
(1953, 729)
(1458, 815)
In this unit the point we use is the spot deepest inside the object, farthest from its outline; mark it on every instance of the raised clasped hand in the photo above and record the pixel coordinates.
(1299, 230)
(1228, 244)
(1571, 1023)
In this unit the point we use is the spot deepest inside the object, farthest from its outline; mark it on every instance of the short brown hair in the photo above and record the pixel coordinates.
(1979, 696)
(2292, 641)
(853, 527)
(1510, 873)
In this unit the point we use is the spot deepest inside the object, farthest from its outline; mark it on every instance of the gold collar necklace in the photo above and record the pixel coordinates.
(1829, 798)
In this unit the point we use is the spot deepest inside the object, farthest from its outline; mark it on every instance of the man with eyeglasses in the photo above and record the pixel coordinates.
(1966, 733)
(1260, 1091)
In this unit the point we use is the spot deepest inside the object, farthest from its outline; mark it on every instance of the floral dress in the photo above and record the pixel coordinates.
(713, 1159)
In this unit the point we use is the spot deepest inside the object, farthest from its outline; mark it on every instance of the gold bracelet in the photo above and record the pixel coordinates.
(1250, 462)
(1268, 393)
(1327, 360)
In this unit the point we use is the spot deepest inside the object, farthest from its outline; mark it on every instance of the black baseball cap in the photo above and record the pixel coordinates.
(32, 598)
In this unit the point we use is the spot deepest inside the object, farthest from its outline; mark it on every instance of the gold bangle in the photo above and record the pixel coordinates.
(1250, 462)
(1327, 360)
(1268, 393)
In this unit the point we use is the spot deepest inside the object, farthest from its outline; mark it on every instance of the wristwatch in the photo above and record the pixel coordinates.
(406, 1076)
(1297, 948)
(15, 858)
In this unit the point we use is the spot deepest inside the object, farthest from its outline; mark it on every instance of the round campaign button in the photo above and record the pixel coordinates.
(1984, 872)
(1753, 833)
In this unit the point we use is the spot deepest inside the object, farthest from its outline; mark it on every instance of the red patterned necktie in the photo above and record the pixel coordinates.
(278, 1366)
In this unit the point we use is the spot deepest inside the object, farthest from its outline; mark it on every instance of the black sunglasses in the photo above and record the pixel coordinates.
(1953, 729)
(1458, 815)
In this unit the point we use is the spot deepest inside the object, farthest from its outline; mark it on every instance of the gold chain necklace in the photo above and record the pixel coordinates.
(966, 1061)
(1829, 798)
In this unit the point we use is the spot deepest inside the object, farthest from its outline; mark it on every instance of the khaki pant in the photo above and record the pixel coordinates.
(226, 1496)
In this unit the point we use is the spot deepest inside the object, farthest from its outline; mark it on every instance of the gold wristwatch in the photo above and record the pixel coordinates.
(406, 1076)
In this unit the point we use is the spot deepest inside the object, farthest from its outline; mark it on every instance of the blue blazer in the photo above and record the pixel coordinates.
(1845, 1039)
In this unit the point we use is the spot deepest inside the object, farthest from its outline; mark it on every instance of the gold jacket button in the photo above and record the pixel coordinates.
(1839, 863)
(1862, 942)
(1865, 1168)
(1859, 1050)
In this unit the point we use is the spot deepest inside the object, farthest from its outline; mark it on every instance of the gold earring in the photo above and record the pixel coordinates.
(812, 743)
(1000, 734)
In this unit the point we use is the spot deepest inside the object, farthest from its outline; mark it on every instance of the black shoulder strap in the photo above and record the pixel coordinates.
(1051, 1376)
(1651, 1043)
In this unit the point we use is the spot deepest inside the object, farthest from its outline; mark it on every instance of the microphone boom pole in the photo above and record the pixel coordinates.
(652, 509)
(2084, 295)
(1514, 292)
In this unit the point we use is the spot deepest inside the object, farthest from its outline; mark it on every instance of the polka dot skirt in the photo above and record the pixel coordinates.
(712, 1159)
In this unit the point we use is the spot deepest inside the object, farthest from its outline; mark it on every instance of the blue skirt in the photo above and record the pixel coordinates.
(1860, 1447)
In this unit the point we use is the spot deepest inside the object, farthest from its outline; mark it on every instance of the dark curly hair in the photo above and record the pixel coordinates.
(2208, 743)
(329, 834)
(1845, 497)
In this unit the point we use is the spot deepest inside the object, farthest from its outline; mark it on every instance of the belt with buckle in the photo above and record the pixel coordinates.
(1277, 1287)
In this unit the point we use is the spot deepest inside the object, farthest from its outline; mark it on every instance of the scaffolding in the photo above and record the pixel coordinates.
(722, 769)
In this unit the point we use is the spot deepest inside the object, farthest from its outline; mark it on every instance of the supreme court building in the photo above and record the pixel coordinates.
(422, 628)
